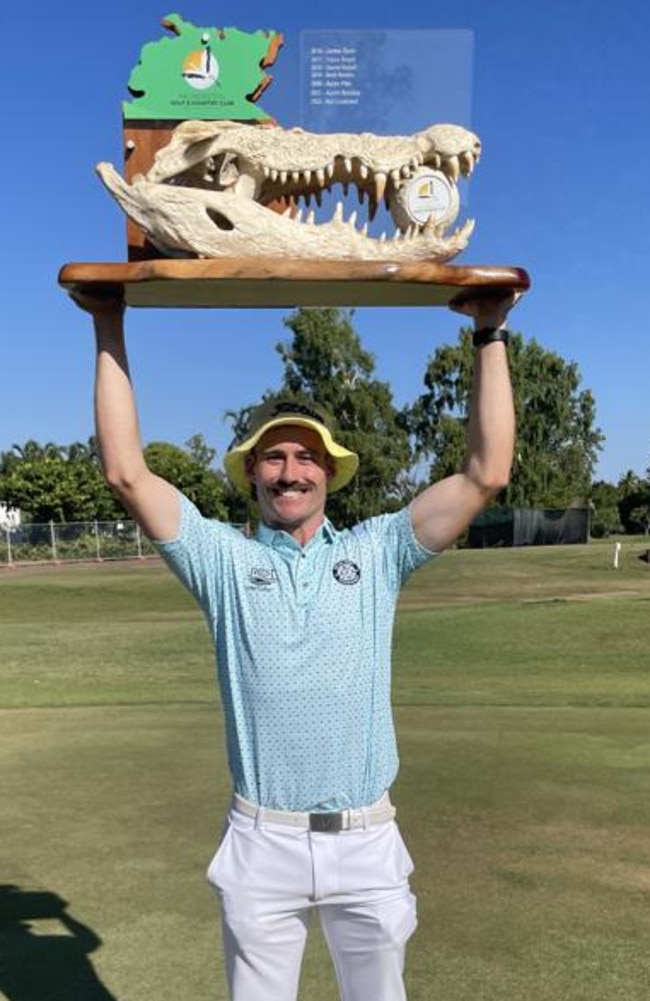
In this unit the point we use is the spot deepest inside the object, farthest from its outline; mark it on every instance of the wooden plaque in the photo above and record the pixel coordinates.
(280, 282)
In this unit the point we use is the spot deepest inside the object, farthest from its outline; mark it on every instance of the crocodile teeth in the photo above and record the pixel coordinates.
(298, 216)
(274, 174)
(348, 164)
(453, 168)
(395, 176)
(363, 170)
(338, 212)
(466, 163)
(380, 185)
(364, 229)
(307, 176)
(330, 170)
(352, 221)
(406, 170)
(295, 176)
(320, 176)
(310, 218)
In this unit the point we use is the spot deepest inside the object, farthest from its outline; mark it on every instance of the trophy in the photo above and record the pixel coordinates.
(225, 208)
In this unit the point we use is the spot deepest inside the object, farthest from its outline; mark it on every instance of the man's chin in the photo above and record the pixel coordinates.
(289, 513)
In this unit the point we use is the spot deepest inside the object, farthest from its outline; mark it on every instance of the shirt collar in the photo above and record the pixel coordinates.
(276, 538)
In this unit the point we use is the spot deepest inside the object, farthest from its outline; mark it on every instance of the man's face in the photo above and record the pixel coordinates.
(290, 470)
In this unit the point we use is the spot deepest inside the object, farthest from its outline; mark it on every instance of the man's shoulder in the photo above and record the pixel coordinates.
(381, 524)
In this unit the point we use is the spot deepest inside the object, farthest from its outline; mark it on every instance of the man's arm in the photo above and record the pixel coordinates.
(444, 510)
(151, 500)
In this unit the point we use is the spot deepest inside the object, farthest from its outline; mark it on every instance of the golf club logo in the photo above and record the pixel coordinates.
(346, 572)
(201, 69)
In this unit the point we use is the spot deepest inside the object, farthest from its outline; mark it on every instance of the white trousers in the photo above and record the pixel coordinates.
(269, 879)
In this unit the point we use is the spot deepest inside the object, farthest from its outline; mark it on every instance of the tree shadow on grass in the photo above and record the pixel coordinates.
(36, 965)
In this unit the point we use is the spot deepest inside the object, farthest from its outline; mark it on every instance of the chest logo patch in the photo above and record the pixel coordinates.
(262, 576)
(346, 572)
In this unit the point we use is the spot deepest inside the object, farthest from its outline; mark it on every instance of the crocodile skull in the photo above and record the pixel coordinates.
(222, 189)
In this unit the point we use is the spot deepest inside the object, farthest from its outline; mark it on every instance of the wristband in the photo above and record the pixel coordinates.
(487, 335)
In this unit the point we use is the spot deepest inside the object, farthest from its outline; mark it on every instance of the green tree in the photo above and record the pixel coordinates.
(199, 450)
(557, 440)
(49, 487)
(634, 501)
(640, 518)
(202, 485)
(325, 362)
(605, 518)
(65, 483)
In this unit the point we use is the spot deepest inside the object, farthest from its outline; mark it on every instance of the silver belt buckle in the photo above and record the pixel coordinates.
(326, 823)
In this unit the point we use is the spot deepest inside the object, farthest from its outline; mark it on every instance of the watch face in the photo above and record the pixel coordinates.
(428, 194)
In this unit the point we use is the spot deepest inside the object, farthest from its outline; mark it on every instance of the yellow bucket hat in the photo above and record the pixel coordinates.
(297, 414)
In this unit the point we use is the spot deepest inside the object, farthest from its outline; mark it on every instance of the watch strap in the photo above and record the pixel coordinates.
(488, 335)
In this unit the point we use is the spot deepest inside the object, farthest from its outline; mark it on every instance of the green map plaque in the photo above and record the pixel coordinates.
(202, 73)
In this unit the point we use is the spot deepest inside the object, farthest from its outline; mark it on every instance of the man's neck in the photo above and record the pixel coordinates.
(301, 534)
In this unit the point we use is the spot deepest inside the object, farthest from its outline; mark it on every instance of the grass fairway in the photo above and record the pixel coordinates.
(522, 694)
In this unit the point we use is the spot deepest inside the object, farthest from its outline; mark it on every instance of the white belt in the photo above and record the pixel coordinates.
(325, 823)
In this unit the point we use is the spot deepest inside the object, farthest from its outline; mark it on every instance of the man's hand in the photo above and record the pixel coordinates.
(100, 299)
(487, 311)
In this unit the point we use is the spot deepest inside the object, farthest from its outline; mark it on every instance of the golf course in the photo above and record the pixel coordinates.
(522, 705)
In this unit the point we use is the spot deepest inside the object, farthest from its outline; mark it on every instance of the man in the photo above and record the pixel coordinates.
(301, 619)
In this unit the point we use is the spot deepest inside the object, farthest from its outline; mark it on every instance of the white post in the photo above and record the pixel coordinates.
(138, 540)
(53, 540)
(98, 554)
(8, 534)
(617, 550)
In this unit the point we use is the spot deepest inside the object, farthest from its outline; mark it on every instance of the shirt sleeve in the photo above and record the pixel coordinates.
(194, 556)
(401, 552)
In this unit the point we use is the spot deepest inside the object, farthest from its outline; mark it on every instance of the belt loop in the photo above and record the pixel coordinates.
(259, 819)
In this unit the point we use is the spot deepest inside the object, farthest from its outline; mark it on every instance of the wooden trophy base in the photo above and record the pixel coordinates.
(283, 282)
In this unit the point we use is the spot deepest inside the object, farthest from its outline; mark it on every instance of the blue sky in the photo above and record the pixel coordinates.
(559, 93)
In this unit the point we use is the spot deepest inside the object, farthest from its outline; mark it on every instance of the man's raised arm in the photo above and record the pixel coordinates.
(445, 509)
(151, 500)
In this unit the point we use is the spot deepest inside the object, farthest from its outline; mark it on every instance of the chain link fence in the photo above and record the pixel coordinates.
(87, 540)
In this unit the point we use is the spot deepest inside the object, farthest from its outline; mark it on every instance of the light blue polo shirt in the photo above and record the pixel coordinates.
(303, 639)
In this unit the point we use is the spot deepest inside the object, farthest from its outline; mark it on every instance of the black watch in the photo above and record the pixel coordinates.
(487, 335)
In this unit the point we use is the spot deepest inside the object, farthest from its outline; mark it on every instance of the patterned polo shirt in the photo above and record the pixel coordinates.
(303, 639)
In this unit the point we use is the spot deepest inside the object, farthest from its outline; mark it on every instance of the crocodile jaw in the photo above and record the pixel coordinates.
(206, 193)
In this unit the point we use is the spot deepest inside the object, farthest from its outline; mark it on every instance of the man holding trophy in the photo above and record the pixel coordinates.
(301, 618)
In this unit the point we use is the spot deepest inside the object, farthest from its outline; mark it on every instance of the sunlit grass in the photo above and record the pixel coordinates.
(522, 694)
